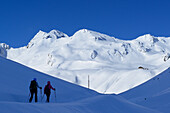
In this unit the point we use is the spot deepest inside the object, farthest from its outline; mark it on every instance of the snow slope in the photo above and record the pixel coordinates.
(15, 79)
(154, 94)
(111, 64)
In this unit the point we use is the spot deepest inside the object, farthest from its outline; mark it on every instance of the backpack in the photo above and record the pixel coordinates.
(33, 85)
(47, 89)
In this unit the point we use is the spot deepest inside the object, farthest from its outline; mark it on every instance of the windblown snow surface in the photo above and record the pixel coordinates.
(111, 64)
(15, 79)
(154, 94)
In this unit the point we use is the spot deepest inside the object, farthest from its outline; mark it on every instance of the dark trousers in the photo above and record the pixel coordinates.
(32, 94)
(48, 97)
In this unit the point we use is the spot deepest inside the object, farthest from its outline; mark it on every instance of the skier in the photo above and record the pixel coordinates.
(47, 90)
(33, 89)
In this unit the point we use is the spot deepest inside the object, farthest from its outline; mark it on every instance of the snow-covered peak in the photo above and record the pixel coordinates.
(56, 34)
(38, 37)
(148, 38)
(148, 43)
(83, 31)
(96, 36)
(145, 36)
(41, 37)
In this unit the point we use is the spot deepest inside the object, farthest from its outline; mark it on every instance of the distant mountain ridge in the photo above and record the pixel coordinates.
(111, 64)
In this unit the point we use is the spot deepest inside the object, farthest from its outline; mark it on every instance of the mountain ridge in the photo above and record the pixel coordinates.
(95, 54)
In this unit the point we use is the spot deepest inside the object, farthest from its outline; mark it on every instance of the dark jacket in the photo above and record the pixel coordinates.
(34, 85)
(47, 88)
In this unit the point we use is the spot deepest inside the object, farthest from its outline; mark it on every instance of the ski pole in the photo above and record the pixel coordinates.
(55, 95)
(41, 94)
(42, 97)
(29, 97)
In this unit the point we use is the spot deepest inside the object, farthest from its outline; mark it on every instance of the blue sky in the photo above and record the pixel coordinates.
(20, 20)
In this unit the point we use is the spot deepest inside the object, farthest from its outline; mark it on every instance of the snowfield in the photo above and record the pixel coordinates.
(111, 64)
(154, 94)
(15, 79)
(124, 76)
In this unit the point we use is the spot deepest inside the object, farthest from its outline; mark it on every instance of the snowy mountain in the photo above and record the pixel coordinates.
(112, 65)
(15, 79)
(153, 94)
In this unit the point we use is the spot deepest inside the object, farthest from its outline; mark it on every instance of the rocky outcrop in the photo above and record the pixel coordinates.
(3, 48)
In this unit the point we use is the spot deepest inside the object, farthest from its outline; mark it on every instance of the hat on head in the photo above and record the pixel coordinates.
(35, 79)
(48, 82)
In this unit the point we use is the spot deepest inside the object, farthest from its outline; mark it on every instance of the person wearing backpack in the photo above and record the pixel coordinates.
(47, 90)
(33, 89)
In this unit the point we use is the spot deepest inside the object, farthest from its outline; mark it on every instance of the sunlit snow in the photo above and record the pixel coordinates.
(111, 64)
